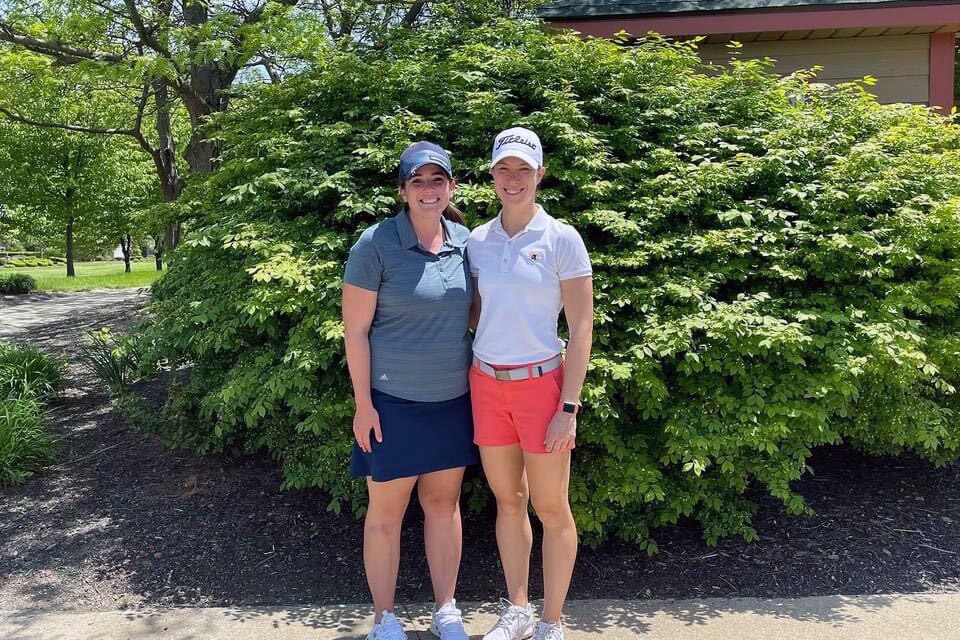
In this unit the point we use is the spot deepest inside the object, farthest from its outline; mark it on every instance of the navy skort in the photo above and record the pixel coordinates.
(418, 438)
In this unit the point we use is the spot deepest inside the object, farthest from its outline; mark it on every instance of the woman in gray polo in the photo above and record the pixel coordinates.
(406, 302)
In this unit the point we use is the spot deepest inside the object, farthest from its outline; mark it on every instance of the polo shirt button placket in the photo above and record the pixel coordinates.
(438, 265)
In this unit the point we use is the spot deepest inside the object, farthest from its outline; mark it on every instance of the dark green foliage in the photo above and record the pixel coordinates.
(13, 283)
(27, 370)
(112, 361)
(776, 263)
(27, 378)
(24, 445)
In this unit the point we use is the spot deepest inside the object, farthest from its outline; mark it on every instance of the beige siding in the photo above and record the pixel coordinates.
(901, 64)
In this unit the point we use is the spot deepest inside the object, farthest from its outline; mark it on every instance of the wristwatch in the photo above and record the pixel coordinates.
(570, 407)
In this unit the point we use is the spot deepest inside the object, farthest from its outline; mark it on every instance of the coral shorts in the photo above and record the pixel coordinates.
(509, 412)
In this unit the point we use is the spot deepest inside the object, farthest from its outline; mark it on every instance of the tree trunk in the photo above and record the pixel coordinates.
(158, 250)
(209, 83)
(165, 159)
(126, 246)
(71, 272)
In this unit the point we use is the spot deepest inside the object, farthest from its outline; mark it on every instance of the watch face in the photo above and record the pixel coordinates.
(569, 407)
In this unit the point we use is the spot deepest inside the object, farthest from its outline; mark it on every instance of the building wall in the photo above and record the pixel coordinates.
(901, 64)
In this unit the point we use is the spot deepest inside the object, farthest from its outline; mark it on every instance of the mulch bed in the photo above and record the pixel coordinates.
(121, 521)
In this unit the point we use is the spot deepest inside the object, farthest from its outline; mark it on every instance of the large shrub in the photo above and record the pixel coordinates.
(775, 263)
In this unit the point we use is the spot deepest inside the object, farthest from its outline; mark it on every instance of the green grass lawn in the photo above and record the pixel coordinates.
(91, 275)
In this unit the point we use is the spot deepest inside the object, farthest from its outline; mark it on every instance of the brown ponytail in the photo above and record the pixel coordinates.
(455, 215)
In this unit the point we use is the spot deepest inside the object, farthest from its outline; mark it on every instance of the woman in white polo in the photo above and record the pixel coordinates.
(525, 395)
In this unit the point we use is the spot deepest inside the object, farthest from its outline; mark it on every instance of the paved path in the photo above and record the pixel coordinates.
(41, 317)
(905, 617)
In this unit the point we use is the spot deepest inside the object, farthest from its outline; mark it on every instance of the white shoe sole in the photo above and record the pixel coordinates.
(436, 632)
(526, 637)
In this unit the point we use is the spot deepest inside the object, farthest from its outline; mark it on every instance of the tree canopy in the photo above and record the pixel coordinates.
(68, 189)
(173, 63)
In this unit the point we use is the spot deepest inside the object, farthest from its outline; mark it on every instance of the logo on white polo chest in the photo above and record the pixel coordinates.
(534, 255)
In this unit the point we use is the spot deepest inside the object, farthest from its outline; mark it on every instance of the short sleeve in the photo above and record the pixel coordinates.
(364, 266)
(471, 247)
(572, 258)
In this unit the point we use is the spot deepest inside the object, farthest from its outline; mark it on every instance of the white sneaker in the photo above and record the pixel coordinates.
(515, 623)
(389, 628)
(447, 623)
(548, 631)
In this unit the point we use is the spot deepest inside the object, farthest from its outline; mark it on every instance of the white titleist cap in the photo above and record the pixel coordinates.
(517, 143)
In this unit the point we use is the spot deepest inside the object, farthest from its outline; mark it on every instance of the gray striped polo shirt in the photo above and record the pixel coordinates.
(419, 345)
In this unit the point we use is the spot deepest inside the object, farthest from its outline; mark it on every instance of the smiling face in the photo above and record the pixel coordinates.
(516, 182)
(427, 191)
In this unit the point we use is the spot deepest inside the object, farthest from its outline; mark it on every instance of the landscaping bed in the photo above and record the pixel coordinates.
(120, 521)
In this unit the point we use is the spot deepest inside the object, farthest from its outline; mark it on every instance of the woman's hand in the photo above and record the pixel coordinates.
(561, 432)
(365, 419)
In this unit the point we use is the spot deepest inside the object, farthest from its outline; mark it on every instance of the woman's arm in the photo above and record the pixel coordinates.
(359, 305)
(577, 296)
(475, 306)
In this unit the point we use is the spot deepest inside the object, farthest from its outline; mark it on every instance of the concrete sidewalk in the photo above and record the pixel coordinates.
(889, 617)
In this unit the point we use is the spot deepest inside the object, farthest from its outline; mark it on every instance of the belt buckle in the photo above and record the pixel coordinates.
(503, 375)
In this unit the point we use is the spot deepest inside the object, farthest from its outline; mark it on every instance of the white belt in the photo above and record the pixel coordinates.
(524, 372)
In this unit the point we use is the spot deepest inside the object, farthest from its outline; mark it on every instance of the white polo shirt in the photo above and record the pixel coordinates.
(519, 282)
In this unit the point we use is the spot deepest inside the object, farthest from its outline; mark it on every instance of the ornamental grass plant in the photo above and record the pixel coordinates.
(114, 361)
(28, 378)
(17, 283)
(776, 263)
(25, 446)
(29, 371)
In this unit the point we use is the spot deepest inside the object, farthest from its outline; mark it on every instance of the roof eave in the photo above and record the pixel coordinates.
(942, 16)
(562, 11)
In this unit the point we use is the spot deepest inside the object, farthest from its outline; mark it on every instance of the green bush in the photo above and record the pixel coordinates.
(27, 378)
(30, 262)
(16, 283)
(27, 370)
(24, 445)
(776, 263)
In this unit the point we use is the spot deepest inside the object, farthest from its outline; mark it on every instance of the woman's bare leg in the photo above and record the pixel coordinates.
(504, 469)
(439, 494)
(549, 478)
(381, 539)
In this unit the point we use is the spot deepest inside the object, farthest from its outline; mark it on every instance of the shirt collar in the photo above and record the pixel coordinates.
(451, 236)
(408, 237)
(537, 223)
(409, 240)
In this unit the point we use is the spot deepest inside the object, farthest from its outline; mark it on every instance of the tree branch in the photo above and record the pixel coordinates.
(138, 123)
(268, 66)
(413, 13)
(63, 53)
(147, 37)
(16, 117)
(328, 20)
(257, 14)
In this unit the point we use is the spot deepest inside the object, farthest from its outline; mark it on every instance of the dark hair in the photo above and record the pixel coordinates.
(454, 214)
